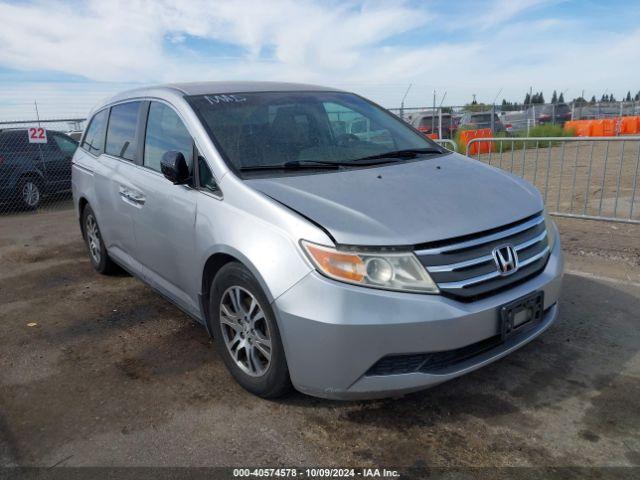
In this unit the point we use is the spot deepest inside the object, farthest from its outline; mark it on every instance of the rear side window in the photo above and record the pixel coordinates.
(165, 132)
(121, 132)
(66, 144)
(94, 139)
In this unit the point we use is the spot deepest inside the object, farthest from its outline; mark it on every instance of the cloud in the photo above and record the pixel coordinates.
(374, 48)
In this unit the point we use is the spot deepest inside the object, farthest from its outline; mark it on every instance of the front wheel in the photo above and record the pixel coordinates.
(246, 332)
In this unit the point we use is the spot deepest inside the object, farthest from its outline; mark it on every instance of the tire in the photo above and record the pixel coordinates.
(244, 339)
(93, 239)
(29, 193)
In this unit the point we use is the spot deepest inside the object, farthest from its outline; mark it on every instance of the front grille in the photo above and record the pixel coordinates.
(465, 269)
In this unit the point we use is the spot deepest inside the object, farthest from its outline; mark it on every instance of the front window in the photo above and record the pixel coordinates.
(165, 132)
(270, 129)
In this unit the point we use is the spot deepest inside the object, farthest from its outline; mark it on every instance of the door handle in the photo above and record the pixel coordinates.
(137, 198)
(133, 197)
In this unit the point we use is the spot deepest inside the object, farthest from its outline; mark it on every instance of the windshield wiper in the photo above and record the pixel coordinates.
(328, 164)
(407, 153)
(294, 165)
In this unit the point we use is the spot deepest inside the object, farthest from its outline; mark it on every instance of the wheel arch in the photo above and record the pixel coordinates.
(214, 262)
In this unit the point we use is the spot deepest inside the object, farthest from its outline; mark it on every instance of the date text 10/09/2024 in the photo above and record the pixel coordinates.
(316, 472)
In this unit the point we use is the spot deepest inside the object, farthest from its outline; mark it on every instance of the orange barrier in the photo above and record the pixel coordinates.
(581, 128)
(630, 125)
(610, 127)
(477, 147)
(606, 127)
(597, 128)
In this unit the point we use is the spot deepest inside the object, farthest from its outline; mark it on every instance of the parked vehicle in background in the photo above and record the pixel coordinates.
(347, 266)
(478, 120)
(514, 122)
(29, 171)
(555, 114)
(75, 134)
(429, 123)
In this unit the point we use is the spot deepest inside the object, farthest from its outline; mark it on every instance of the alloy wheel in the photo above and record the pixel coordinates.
(245, 331)
(93, 238)
(30, 194)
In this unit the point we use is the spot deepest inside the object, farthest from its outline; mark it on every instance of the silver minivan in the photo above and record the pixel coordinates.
(345, 261)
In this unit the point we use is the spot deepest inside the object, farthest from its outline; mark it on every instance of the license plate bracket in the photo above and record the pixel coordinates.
(521, 314)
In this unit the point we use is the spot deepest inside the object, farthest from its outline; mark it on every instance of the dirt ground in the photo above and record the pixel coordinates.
(101, 371)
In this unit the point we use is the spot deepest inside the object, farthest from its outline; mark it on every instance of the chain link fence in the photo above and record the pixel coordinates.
(35, 163)
(588, 178)
(509, 120)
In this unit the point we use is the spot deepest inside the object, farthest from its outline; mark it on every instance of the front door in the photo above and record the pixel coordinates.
(164, 226)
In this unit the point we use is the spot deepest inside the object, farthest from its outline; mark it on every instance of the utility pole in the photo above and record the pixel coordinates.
(493, 110)
(35, 103)
(433, 113)
(440, 115)
(402, 102)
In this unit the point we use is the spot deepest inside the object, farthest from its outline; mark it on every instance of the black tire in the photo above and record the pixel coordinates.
(29, 193)
(274, 381)
(97, 252)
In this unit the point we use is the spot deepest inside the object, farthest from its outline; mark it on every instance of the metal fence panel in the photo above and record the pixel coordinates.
(586, 177)
(448, 144)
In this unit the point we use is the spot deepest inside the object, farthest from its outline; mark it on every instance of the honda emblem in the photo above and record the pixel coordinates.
(506, 259)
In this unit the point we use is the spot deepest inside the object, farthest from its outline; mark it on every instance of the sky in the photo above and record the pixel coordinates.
(68, 55)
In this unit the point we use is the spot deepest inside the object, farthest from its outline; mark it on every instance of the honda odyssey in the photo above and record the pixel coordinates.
(346, 262)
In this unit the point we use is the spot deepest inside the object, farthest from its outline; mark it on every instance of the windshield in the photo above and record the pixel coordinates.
(273, 128)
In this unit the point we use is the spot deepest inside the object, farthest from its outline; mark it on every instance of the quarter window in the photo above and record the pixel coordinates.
(94, 138)
(205, 177)
(121, 132)
(165, 132)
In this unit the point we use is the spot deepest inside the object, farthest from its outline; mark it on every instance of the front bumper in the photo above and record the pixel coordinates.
(333, 332)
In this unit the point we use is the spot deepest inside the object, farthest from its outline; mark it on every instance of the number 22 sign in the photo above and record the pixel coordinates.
(37, 135)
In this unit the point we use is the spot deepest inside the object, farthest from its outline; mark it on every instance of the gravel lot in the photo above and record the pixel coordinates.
(113, 375)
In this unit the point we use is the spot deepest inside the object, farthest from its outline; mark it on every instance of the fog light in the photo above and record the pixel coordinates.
(379, 270)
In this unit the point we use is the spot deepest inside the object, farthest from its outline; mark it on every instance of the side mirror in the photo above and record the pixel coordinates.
(174, 167)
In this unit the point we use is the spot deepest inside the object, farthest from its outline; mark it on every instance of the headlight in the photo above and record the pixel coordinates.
(551, 230)
(391, 271)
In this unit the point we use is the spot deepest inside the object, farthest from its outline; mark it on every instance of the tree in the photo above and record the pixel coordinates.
(561, 98)
(527, 99)
(612, 98)
(554, 97)
(538, 97)
(593, 100)
(604, 98)
(637, 97)
(628, 97)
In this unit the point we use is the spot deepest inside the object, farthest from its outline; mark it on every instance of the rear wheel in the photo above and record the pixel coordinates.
(30, 193)
(97, 252)
(246, 332)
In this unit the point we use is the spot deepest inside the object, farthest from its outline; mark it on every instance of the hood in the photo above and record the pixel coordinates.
(408, 203)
